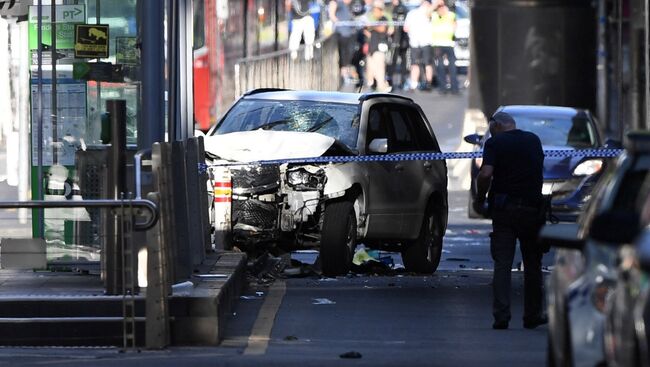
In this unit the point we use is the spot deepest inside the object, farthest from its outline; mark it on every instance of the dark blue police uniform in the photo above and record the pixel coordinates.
(515, 201)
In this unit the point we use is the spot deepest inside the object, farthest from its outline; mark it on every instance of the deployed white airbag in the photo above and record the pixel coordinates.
(257, 145)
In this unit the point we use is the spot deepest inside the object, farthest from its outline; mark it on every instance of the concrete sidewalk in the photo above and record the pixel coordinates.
(70, 308)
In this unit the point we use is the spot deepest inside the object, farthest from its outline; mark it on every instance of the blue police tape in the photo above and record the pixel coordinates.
(588, 153)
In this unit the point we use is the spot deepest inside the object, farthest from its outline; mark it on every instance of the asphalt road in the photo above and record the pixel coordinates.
(439, 320)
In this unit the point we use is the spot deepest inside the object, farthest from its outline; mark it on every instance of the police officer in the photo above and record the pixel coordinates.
(512, 170)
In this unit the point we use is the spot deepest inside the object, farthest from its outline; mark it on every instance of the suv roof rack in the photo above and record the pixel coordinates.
(367, 96)
(264, 90)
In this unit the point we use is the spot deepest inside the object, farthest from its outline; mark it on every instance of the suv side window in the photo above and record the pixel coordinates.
(376, 125)
(404, 135)
(425, 140)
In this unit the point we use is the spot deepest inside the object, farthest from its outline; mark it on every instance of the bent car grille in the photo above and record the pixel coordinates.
(255, 213)
(255, 179)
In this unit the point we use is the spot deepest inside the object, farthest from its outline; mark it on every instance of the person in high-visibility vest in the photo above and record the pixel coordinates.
(444, 27)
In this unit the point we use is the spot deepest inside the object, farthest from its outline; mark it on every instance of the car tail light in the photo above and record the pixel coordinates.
(588, 167)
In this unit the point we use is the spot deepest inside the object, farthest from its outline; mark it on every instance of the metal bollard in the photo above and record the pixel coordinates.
(116, 186)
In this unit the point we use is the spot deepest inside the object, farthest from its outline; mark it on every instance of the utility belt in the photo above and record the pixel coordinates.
(503, 201)
(541, 205)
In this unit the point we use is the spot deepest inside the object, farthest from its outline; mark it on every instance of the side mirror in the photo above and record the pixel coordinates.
(474, 139)
(612, 144)
(562, 235)
(378, 146)
(615, 227)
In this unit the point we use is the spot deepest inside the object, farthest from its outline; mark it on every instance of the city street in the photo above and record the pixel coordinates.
(440, 320)
(289, 183)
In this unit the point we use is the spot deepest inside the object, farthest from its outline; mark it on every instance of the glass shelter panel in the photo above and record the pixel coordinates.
(96, 59)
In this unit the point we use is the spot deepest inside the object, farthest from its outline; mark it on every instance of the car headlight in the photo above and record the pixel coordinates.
(301, 179)
(588, 167)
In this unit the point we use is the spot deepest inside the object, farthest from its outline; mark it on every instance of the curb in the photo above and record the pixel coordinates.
(199, 319)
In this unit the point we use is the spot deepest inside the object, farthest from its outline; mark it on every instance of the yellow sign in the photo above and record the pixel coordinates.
(91, 41)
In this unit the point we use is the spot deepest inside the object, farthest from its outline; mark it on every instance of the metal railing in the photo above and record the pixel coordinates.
(279, 70)
(139, 204)
(124, 211)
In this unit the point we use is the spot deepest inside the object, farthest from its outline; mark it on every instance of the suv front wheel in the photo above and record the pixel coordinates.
(338, 238)
(422, 255)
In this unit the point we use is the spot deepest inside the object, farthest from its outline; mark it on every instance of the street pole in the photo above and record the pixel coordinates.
(619, 72)
(152, 33)
(601, 68)
(54, 114)
(23, 108)
(40, 232)
(646, 51)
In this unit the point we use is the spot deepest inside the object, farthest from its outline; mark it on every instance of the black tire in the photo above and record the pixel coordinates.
(423, 254)
(338, 238)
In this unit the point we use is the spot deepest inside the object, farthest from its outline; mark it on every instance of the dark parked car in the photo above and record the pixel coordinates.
(584, 277)
(569, 181)
(627, 325)
(331, 205)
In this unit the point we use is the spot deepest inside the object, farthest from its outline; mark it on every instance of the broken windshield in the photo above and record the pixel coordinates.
(337, 120)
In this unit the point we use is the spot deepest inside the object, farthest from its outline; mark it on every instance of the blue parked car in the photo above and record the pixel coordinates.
(568, 181)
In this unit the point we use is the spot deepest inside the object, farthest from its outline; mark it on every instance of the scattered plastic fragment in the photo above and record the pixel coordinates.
(322, 301)
(249, 297)
(351, 355)
(362, 256)
(211, 276)
(327, 280)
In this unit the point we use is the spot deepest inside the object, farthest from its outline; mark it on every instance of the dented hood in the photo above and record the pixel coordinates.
(258, 145)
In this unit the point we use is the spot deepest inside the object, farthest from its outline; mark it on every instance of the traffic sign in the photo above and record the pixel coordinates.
(127, 51)
(91, 41)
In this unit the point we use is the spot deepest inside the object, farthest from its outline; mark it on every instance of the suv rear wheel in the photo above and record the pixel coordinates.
(423, 254)
(338, 238)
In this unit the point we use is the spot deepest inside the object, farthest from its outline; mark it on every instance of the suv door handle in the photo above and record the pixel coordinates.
(427, 165)
(399, 167)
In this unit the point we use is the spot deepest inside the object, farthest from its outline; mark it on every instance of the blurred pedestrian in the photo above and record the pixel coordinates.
(512, 170)
(340, 12)
(377, 35)
(418, 27)
(302, 26)
(444, 27)
(399, 46)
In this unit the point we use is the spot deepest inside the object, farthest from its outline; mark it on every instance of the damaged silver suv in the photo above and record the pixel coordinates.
(393, 205)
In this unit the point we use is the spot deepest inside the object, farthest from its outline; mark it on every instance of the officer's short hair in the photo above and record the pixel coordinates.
(502, 118)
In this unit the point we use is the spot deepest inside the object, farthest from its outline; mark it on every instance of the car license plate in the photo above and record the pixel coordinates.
(547, 188)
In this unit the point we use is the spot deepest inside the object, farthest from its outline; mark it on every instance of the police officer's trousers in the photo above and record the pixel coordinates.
(509, 224)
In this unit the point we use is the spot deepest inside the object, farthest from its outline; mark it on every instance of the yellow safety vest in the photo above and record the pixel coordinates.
(443, 29)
